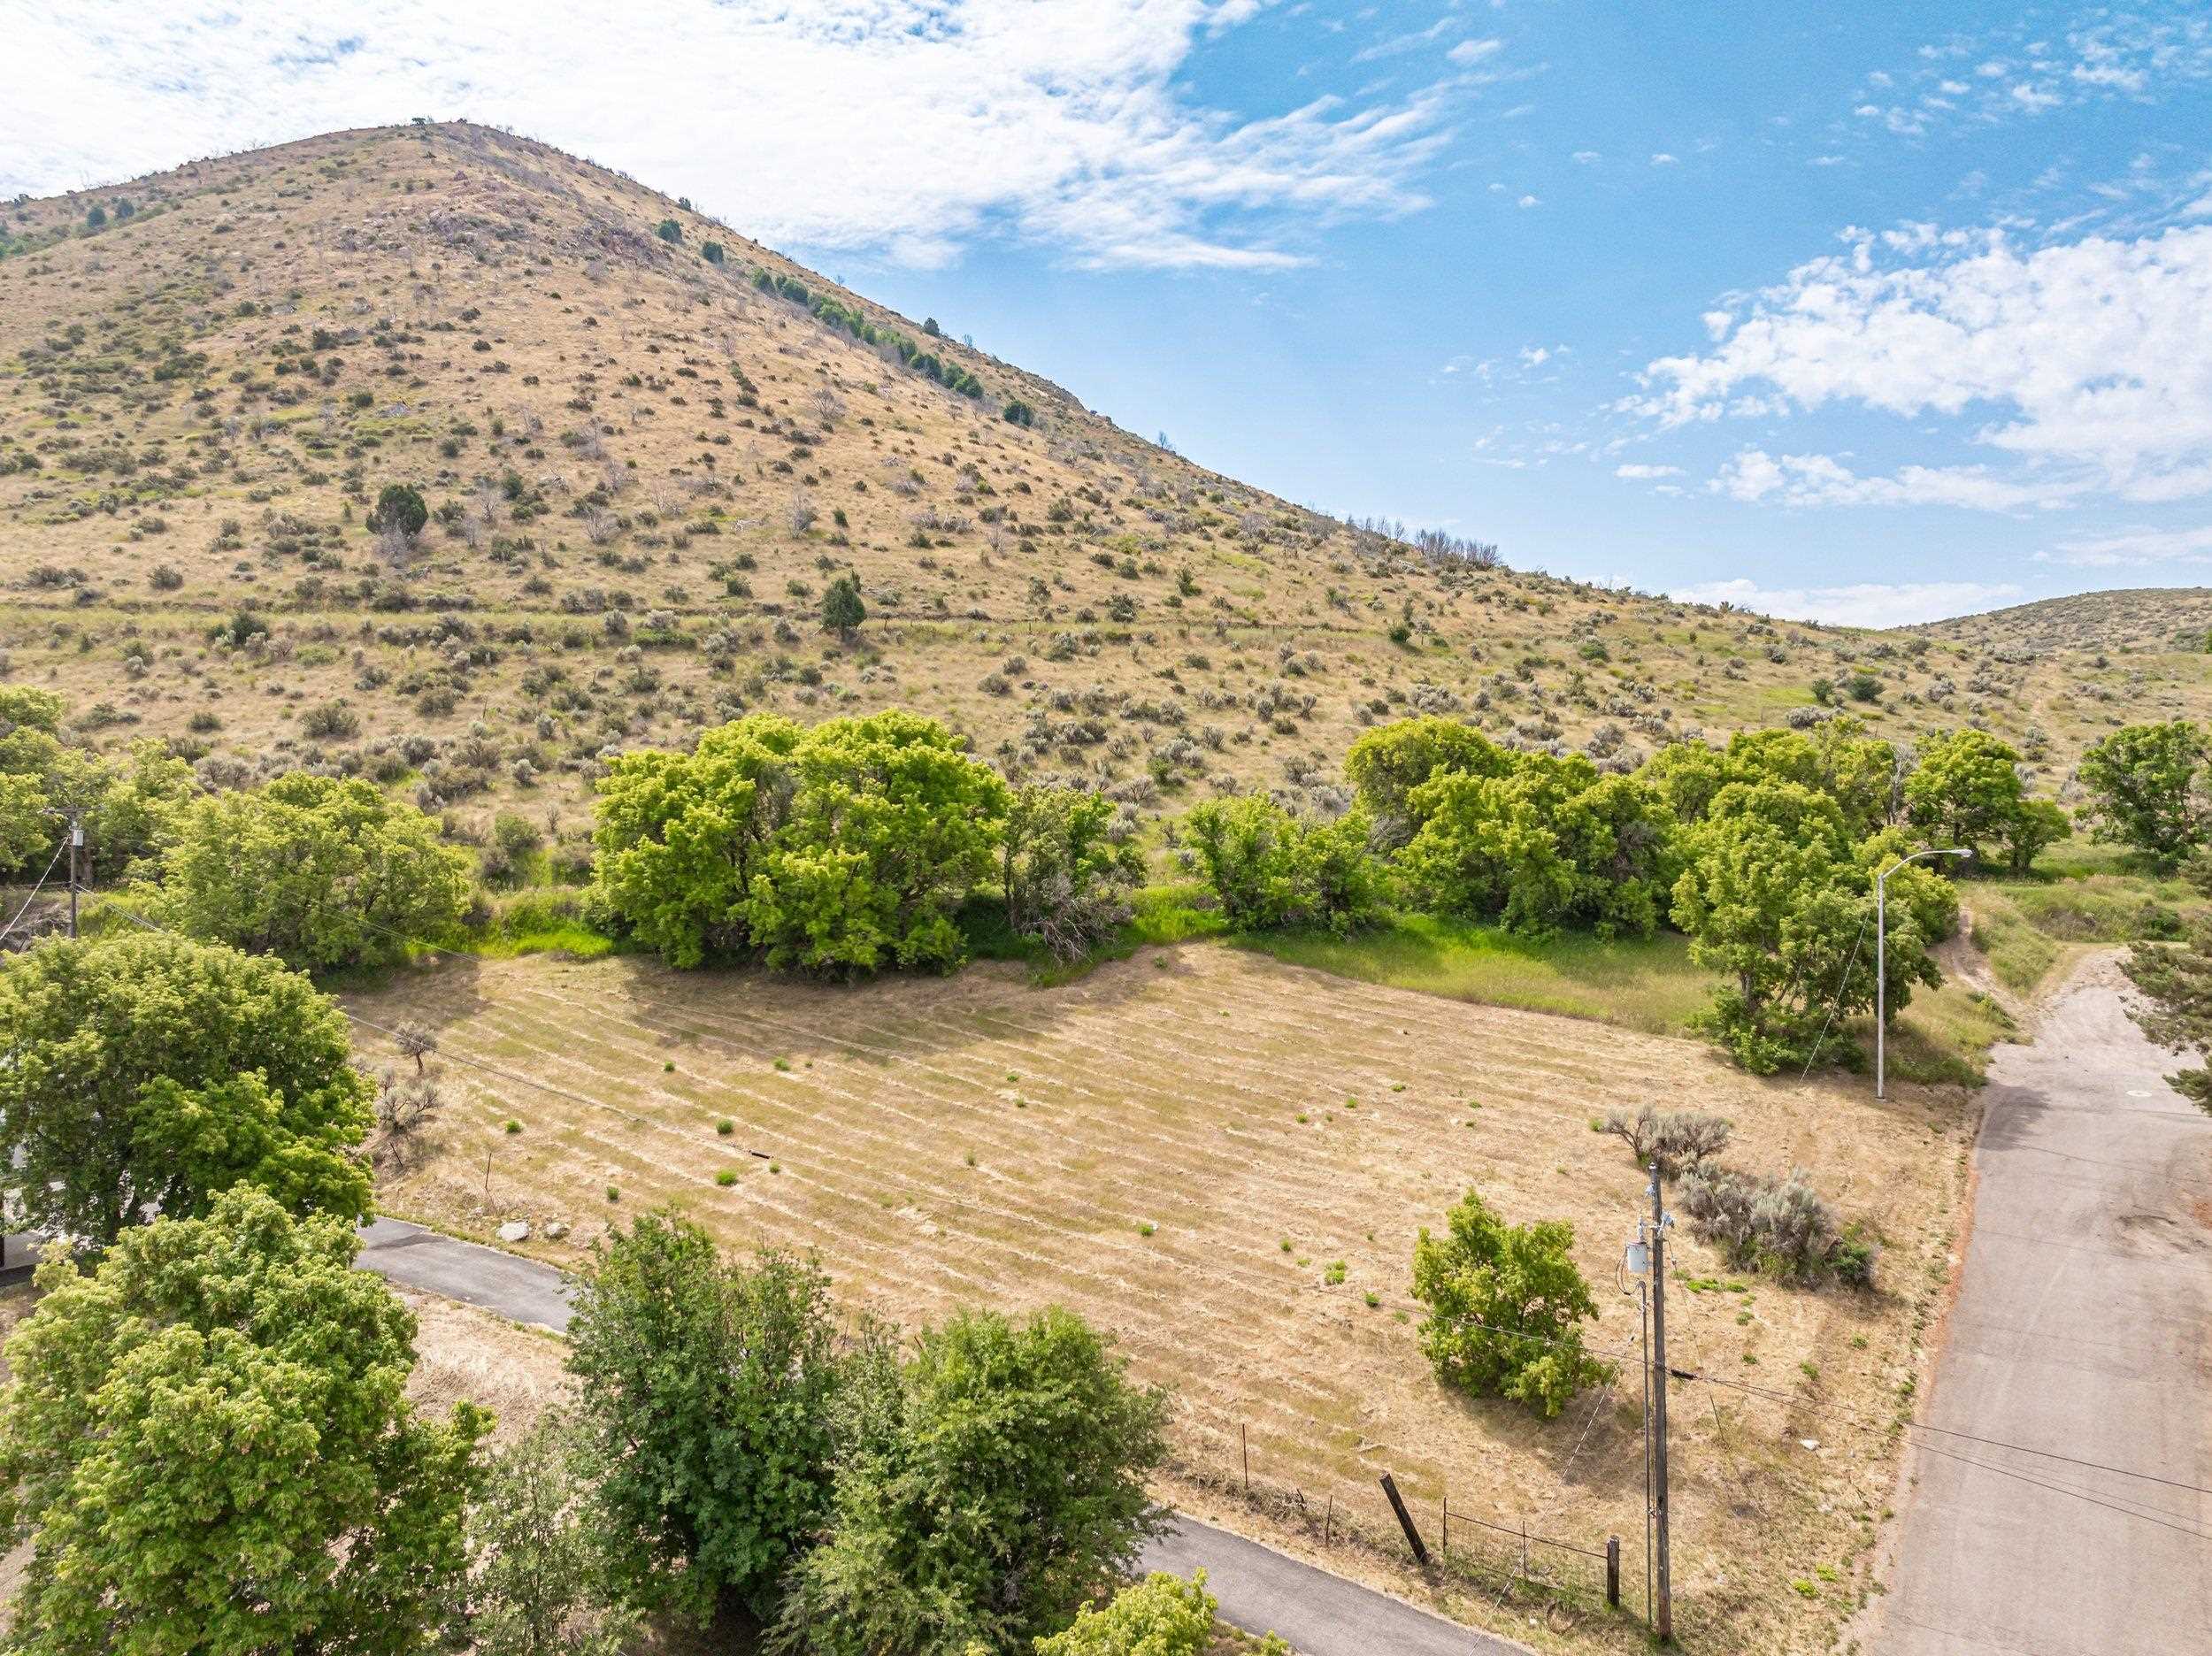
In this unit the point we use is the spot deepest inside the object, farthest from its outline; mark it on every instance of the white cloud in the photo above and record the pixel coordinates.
(1813, 480)
(2087, 363)
(2133, 546)
(1864, 603)
(1587, 157)
(1663, 159)
(1471, 52)
(1646, 473)
(1527, 201)
(899, 126)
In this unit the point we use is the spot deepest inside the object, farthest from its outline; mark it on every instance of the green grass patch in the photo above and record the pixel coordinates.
(1944, 1036)
(1643, 985)
(537, 922)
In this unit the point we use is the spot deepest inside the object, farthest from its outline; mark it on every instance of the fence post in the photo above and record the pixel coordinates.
(1405, 1519)
(1448, 1524)
(1245, 1443)
(1328, 1521)
(1613, 1571)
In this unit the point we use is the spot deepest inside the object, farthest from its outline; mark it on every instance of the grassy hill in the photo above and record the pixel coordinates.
(649, 444)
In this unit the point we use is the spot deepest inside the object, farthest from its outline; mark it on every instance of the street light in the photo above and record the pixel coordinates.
(1881, 942)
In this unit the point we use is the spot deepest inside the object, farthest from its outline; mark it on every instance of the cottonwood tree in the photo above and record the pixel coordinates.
(1965, 791)
(838, 849)
(145, 1074)
(1775, 895)
(986, 1489)
(208, 1448)
(316, 869)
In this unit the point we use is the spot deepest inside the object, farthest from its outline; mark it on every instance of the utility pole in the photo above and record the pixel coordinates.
(1881, 961)
(1663, 1622)
(76, 850)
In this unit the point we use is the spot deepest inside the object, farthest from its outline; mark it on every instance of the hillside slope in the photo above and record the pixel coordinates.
(646, 459)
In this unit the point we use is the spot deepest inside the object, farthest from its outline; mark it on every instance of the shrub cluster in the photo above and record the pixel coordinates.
(1783, 1225)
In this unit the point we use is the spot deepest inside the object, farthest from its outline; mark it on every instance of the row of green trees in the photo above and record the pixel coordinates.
(846, 847)
(1763, 853)
(972, 1487)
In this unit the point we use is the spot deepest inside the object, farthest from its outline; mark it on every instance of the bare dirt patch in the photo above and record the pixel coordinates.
(1143, 1144)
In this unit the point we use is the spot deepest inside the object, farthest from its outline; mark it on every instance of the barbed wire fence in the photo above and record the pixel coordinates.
(1514, 1559)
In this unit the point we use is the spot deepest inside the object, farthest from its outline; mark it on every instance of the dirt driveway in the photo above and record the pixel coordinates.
(2081, 1329)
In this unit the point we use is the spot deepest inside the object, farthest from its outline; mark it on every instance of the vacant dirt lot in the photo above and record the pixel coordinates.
(1183, 1146)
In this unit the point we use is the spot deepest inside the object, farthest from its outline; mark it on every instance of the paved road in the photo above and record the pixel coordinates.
(2083, 1325)
(1258, 1587)
(520, 1290)
(1320, 1615)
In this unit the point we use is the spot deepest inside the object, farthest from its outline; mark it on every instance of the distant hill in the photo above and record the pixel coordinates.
(2155, 618)
(649, 444)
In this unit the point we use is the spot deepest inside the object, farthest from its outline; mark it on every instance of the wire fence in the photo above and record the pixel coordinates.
(1510, 1559)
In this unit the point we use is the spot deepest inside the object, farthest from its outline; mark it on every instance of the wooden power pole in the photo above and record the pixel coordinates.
(1663, 1623)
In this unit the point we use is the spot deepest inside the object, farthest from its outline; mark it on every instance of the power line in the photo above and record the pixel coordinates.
(6, 931)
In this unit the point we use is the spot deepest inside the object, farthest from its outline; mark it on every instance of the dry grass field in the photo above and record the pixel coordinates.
(1224, 1160)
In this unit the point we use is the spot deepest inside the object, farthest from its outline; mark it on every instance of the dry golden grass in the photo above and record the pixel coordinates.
(1132, 1146)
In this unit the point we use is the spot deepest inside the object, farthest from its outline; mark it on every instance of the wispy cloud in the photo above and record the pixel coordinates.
(2133, 547)
(908, 128)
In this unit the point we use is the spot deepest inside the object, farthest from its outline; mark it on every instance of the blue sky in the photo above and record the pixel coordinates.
(1873, 314)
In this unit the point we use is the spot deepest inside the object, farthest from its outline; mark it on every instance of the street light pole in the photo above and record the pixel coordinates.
(1881, 958)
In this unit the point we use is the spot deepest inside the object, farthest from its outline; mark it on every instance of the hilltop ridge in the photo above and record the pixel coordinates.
(648, 443)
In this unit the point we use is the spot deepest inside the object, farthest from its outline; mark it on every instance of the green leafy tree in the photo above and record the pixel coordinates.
(1506, 1308)
(2175, 980)
(2149, 788)
(1965, 791)
(538, 1578)
(208, 1446)
(704, 1392)
(1161, 1615)
(891, 826)
(136, 814)
(40, 776)
(1269, 868)
(144, 1074)
(991, 1487)
(28, 835)
(681, 836)
(842, 610)
(319, 871)
(1836, 758)
(1773, 895)
(400, 506)
(1067, 868)
(1386, 765)
(2034, 828)
(669, 232)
